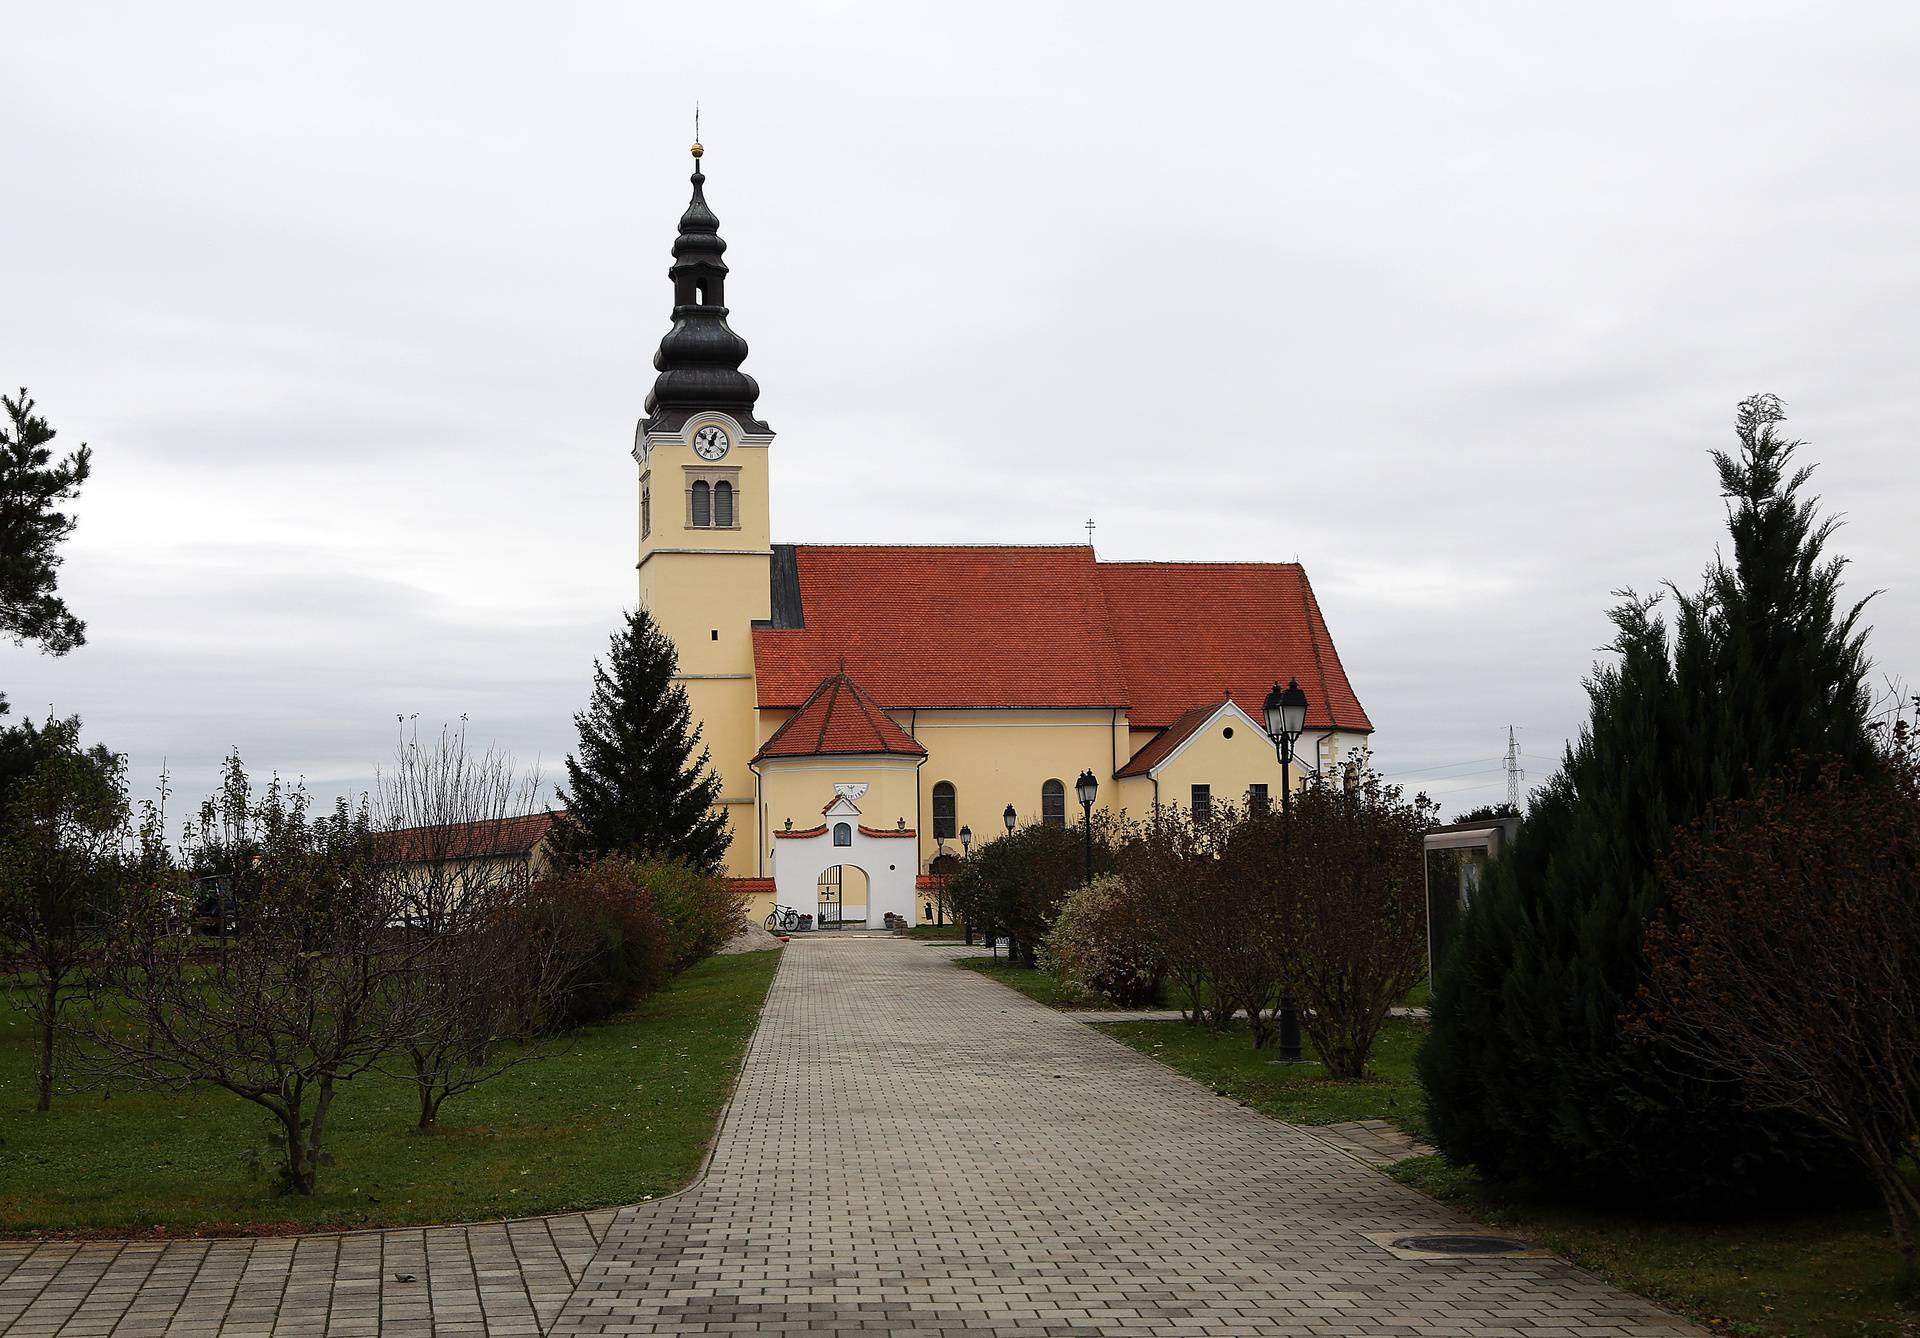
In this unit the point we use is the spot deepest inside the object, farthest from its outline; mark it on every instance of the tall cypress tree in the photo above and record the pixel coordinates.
(1528, 1069)
(636, 786)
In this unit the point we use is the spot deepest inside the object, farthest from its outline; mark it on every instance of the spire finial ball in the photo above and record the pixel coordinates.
(697, 150)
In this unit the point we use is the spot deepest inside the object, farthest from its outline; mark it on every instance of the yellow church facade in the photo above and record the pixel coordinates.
(869, 709)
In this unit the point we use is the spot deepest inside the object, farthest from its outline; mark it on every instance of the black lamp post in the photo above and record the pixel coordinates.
(1286, 712)
(1010, 818)
(1286, 716)
(966, 840)
(1086, 788)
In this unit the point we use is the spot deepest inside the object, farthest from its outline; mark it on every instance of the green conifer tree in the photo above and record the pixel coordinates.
(32, 528)
(637, 786)
(1529, 1071)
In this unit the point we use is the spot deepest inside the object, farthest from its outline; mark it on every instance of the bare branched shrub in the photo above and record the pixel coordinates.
(304, 994)
(456, 843)
(1788, 961)
(1166, 866)
(1240, 923)
(1345, 892)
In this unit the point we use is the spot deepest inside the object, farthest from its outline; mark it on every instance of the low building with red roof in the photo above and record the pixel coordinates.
(873, 709)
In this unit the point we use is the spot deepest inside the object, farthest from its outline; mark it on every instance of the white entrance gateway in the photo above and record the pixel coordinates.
(884, 854)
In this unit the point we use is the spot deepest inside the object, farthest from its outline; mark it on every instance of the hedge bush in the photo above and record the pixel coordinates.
(702, 911)
(609, 922)
(1100, 943)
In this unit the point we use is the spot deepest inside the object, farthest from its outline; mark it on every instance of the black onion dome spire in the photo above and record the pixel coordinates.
(699, 360)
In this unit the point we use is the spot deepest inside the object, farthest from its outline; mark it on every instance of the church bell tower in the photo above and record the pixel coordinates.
(705, 545)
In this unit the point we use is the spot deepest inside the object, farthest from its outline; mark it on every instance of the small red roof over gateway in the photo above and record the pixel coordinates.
(838, 718)
(962, 626)
(1156, 750)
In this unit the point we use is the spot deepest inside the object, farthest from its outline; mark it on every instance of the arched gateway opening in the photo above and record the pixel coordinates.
(842, 896)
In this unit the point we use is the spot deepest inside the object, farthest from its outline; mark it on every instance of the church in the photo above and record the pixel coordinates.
(872, 711)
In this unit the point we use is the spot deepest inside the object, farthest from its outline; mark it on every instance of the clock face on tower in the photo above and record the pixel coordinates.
(710, 443)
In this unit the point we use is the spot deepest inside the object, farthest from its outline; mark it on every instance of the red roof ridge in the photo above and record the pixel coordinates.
(1155, 750)
(474, 839)
(833, 733)
(1195, 562)
(1039, 627)
(926, 547)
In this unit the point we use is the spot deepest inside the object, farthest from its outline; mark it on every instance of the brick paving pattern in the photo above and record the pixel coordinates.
(912, 1149)
(1374, 1142)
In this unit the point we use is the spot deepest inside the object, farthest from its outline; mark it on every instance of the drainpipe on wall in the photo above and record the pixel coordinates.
(1316, 749)
(919, 827)
(760, 837)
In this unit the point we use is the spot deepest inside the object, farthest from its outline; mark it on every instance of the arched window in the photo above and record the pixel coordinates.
(1053, 804)
(702, 504)
(723, 505)
(646, 509)
(842, 834)
(945, 825)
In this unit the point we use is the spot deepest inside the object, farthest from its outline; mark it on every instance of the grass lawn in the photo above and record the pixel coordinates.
(1044, 987)
(938, 933)
(1298, 1093)
(1825, 1274)
(1040, 986)
(622, 1112)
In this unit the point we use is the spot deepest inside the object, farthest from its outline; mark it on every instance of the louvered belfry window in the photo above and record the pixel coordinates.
(702, 504)
(723, 505)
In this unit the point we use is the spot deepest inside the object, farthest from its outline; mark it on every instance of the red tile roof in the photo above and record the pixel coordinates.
(1155, 750)
(838, 719)
(957, 626)
(1197, 631)
(489, 839)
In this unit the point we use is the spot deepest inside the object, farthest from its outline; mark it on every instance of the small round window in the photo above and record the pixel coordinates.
(1227, 733)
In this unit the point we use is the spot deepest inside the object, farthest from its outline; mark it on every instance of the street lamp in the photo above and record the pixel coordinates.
(1286, 713)
(1086, 788)
(1009, 817)
(966, 840)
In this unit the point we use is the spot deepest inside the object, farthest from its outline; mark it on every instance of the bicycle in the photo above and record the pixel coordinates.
(783, 917)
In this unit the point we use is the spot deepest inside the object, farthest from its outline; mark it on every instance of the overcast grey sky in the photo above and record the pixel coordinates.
(356, 303)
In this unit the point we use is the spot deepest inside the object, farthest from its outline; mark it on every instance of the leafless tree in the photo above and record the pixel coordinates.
(1788, 960)
(1166, 864)
(304, 994)
(1345, 890)
(457, 840)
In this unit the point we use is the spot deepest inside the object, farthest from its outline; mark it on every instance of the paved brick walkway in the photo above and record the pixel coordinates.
(913, 1149)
